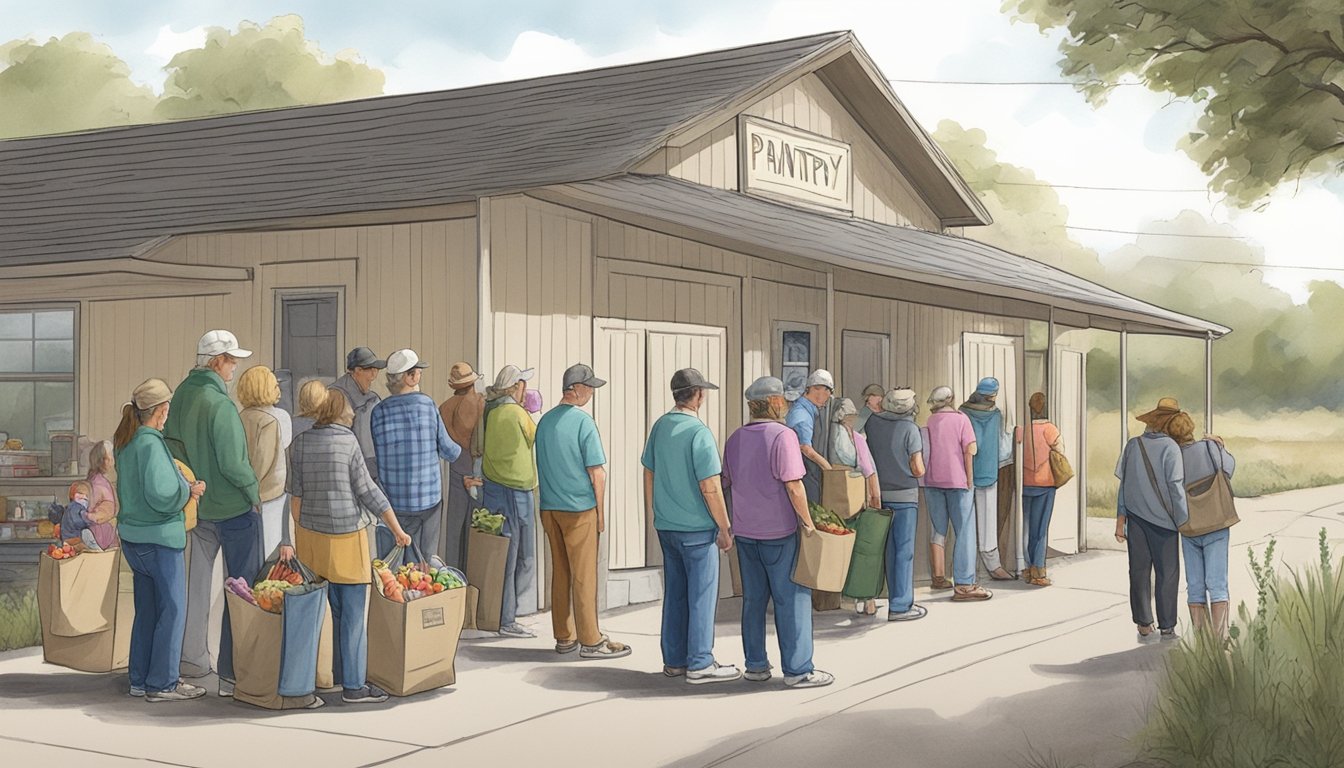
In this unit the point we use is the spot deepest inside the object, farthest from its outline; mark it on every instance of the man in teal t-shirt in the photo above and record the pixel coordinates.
(681, 483)
(573, 483)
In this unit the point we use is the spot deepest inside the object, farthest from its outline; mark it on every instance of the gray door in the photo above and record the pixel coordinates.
(309, 330)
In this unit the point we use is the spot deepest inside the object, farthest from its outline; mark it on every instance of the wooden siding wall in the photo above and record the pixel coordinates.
(403, 285)
(881, 192)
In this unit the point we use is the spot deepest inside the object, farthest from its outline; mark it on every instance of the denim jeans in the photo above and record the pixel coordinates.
(349, 643)
(1154, 556)
(767, 574)
(160, 578)
(1206, 567)
(1040, 504)
(240, 538)
(520, 567)
(954, 504)
(901, 555)
(690, 596)
(423, 528)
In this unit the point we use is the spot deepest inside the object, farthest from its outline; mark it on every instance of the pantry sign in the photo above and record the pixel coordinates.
(779, 161)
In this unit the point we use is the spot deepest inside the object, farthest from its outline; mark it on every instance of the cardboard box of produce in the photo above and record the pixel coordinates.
(486, 557)
(85, 609)
(843, 491)
(413, 645)
(823, 560)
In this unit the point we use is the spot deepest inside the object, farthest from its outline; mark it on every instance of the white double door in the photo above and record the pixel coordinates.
(638, 359)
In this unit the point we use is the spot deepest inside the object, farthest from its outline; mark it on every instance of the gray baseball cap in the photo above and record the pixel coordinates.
(689, 378)
(581, 374)
(765, 388)
(363, 357)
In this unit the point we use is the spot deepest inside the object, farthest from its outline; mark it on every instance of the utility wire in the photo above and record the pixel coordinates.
(1006, 82)
(1157, 234)
(1099, 189)
(1245, 263)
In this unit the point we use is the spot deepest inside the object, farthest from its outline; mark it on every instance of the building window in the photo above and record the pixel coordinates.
(794, 353)
(37, 375)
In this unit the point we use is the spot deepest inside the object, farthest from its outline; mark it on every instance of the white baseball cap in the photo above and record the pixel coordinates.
(220, 343)
(821, 378)
(404, 360)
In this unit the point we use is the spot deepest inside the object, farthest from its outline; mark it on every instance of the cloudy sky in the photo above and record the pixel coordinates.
(957, 44)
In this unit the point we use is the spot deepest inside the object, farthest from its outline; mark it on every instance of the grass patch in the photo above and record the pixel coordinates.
(1276, 696)
(19, 627)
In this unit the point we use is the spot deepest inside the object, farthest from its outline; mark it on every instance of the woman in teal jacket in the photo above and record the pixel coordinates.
(151, 493)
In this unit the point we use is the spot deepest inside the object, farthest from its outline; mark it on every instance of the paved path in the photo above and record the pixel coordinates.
(1033, 677)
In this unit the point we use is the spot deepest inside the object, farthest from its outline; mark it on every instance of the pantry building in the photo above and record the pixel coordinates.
(762, 210)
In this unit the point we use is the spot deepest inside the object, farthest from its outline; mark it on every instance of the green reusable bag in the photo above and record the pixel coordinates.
(867, 567)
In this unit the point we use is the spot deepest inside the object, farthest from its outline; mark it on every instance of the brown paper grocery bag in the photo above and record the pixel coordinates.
(413, 645)
(258, 638)
(487, 555)
(473, 598)
(84, 617)
(823, 560)
(843, 491)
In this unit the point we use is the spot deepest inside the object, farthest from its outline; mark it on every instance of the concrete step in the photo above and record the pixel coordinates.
(633, 586)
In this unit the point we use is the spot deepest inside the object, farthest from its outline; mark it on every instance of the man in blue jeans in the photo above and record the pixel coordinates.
(682, 487)
(898, 453)
(763, 469)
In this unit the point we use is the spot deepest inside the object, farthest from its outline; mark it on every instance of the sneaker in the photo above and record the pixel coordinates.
(915, 612)
(516, 630)
(569, 647)
(673, 671)
(138, 693)
(814, 679)
(369, 694)
(607, 649)
(1150, 637)
(225, 689)
(714, 673)
(316, 703)
(180, 692)
(758, 675)
(1168, 635)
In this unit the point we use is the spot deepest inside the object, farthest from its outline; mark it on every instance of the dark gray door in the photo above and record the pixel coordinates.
(309, 327)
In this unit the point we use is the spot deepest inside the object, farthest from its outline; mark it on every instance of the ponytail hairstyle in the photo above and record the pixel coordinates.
(131, 419)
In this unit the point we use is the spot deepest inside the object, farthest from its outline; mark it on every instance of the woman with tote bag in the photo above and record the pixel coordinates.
(1205, 536)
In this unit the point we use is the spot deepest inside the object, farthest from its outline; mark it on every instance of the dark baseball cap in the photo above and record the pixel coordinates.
(363, 357)
(581, 374)
(689, 378)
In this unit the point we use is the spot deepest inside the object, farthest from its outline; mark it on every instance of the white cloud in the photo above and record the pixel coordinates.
(168, 43)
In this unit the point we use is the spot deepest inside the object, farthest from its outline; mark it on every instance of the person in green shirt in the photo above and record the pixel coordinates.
(682, 486)
(205, 432)
(151, 493)
(510, 478)
(573, 480)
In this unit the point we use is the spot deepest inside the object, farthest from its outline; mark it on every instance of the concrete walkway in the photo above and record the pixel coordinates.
(1033, 677)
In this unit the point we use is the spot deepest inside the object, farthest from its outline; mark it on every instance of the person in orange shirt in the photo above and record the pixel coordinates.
(1038, 488)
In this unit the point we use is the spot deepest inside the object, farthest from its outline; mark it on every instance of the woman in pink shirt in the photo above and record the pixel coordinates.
(851, 449)
(949, 445)
(102, 496)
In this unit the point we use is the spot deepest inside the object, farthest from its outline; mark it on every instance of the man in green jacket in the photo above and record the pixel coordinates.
(205, 432)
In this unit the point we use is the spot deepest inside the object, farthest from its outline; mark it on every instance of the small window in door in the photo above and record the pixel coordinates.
(309, 342)
(795, 356)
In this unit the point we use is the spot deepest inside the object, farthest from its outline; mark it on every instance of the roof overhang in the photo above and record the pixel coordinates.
(928, 262)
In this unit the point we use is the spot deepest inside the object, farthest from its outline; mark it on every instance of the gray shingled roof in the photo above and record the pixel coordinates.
(746, 223)
(106, 193)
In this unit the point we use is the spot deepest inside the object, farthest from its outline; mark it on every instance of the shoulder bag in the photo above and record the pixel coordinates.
(1212, 507)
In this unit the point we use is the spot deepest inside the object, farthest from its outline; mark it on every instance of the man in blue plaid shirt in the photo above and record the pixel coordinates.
(409, 438)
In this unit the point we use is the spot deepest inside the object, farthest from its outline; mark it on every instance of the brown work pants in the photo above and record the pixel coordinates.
(574, 540)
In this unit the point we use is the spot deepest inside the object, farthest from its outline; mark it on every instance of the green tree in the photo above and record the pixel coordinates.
(261, 67)
(1269, 75)
(67, 84)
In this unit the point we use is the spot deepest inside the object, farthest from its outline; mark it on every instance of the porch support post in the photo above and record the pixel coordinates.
(1208, 383)
(1124, 387)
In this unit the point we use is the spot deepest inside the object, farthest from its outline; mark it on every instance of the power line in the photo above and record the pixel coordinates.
(1312, 268)
(1006, 82)
(1158, 234)
(1098, 189)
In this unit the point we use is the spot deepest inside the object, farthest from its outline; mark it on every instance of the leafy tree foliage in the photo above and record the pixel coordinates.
(1270, 77)
(67, 84)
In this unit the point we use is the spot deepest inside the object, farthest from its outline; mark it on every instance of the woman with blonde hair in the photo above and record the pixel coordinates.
(334, 500)
(312, 395)
(269, 431)
(1205, 556)
(152, 493)
(1038, 488)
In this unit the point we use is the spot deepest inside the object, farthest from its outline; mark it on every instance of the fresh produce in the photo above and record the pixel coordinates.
(826, 520)
(412, 581)
(486, 521)
(240, 588)
(282, 572)
(63, 552)
(270, 594)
